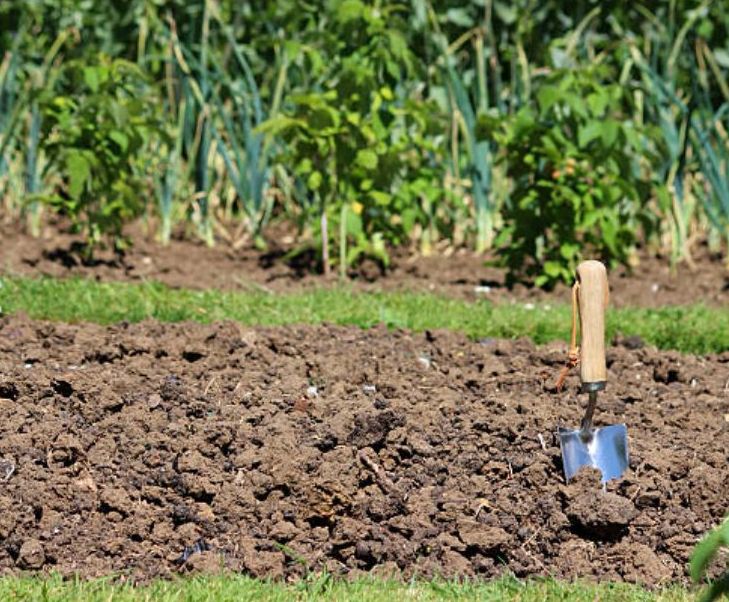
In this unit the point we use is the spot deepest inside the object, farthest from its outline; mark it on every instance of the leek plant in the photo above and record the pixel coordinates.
(469, 105)
(32, 178)
(701, 133)
(10, 105)
(245, 150)
(479, 160)
(711, 144)
(21, 162)
(672, 174)
(197, 132)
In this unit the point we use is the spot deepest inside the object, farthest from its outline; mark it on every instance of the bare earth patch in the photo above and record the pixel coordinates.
(463, 275)
(149, 449)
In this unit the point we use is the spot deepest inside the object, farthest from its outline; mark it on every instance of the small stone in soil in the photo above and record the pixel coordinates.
(198, 547)
(31, 555)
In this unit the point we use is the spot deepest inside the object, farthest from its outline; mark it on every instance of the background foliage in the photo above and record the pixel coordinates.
(536, 132)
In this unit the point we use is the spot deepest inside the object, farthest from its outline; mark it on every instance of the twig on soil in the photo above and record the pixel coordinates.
(9, 470)
(382, 480)
(253, 286)
(541, 441)
(482, 504)
(635, 495)
(210, 384)
(532, 537)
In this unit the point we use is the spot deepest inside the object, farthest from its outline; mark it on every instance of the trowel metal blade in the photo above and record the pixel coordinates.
(605, 448)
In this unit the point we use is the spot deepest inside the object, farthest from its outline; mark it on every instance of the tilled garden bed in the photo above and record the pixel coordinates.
(148, 449)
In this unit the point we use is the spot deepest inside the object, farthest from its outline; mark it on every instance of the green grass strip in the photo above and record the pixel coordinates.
(241, 588)
(690, 329)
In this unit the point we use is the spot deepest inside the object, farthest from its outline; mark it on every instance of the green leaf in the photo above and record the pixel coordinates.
(366, 158)
(353, 117)
(354, 224)
(314, 181)
(120, 138)
(541, 280)
(292, 47)
(598, 102)
(350, 10)
(552, 269)
(569, 250)
(578, 106)
(92, 78)
(589, 132)
(459, 16)
(304, 167)
(278, 124)
(722, 57)
(381, 198)
(707, 549)
(609, 130)
(548, 96)
(378, 248)
(79, 171)
(506, 12)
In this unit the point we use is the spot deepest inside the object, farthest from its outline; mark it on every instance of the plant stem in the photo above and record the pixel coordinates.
(343, 242)
(325, 242)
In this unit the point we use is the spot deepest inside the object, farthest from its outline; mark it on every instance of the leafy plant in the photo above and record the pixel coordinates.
(94, 129)
(704, 553)
(576, 182)
(350, 142)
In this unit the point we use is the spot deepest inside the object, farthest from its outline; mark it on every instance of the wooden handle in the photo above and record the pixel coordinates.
(592, 300)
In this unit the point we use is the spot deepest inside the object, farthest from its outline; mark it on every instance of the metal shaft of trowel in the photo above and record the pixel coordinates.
(586, 424)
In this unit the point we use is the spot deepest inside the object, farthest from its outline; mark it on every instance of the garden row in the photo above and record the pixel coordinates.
(532, 128)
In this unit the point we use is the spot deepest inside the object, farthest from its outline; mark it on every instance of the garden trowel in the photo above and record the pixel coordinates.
(606, 447)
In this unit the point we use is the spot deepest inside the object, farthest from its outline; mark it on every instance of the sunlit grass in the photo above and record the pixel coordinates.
(691, 328)
(240, 588)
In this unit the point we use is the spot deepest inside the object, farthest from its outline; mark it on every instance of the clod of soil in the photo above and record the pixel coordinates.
(595, 514)
(31, 555)
(121, 453)
(601, 515)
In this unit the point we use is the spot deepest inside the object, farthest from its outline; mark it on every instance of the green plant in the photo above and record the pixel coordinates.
(704, 553)
(195, 94)
(576, 181)
(20, 123)
(351, 142)
(94, 129)
(426, 95)
(9, 106)
(479, 155)
(672, 94)
(246, 152)
(711, 144)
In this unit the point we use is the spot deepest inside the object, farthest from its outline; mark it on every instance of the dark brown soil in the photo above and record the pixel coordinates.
(144, 450)
(462, 274)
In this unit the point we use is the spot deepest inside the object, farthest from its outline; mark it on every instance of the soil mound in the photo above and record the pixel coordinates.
(149, 449)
